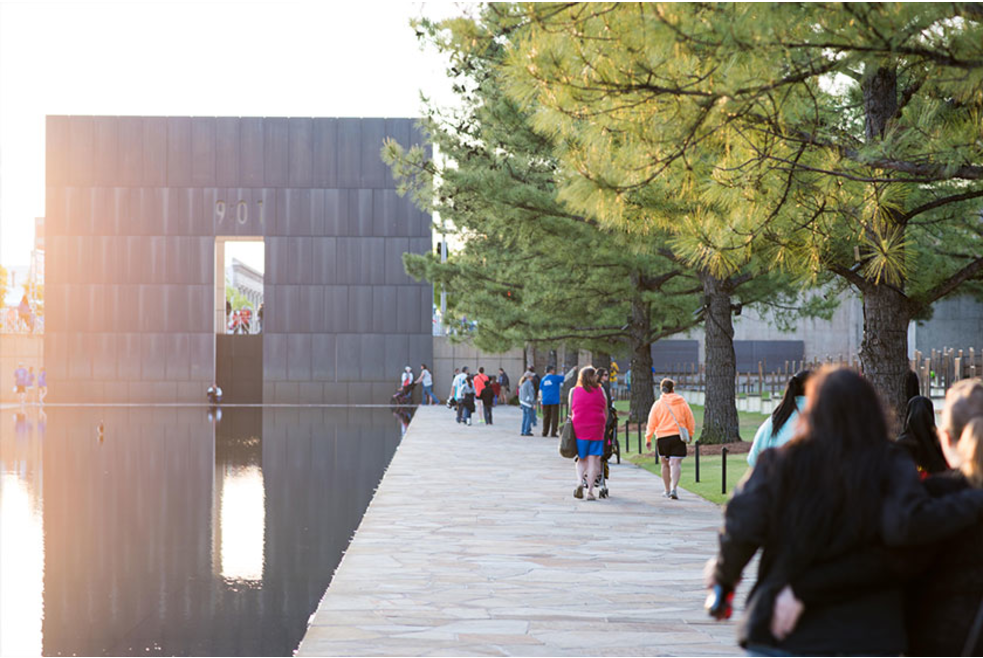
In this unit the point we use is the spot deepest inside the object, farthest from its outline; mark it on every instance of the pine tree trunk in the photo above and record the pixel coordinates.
(720, 423)
(884, 350)
(642, 396)
(541, 357)
(571, 356)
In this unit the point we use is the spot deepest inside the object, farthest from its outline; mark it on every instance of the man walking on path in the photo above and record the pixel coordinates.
(426, 379)
(549, 389)
(503, 382)
(460, 382)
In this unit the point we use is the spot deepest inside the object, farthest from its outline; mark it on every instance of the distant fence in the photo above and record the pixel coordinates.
(936, 371)
(766, 379)
(940, 369)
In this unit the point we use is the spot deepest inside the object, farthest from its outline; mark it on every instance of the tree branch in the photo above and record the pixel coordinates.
(938, 203)
(946, 287)
(850, 275)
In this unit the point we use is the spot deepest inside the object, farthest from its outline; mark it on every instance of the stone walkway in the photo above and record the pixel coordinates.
(474, 545)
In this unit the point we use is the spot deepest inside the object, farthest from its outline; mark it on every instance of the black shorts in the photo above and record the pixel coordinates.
(671, 446)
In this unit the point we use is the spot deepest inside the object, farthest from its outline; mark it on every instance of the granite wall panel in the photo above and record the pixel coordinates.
(134, 205)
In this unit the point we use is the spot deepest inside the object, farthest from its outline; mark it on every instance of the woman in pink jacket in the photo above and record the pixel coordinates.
(588, 413)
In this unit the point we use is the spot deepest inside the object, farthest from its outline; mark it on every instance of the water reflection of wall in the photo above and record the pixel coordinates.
(171, 537)
(326, 464)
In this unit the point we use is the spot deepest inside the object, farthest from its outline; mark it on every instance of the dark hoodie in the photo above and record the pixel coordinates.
(919, 438)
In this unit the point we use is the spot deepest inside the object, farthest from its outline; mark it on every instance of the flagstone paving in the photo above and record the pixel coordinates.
(474, 545)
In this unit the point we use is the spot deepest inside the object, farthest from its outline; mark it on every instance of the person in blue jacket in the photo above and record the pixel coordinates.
(549, 391)
(783, 423)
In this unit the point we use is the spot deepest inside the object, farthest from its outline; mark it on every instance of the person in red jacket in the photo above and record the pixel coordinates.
(480, 381)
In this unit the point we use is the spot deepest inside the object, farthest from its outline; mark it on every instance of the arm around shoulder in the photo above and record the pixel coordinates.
(910, 516)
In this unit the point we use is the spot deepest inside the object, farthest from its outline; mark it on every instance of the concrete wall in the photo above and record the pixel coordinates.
(14, 349)
(448, 355)
(840, 335)
(134, 206)
(957, 322)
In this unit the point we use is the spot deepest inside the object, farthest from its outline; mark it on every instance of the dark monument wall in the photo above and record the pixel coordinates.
(133, 208)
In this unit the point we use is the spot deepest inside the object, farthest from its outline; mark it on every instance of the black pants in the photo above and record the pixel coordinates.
(551, 419)
(488, 412)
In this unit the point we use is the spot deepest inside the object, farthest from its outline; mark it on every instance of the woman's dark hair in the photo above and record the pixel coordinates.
(830, 478)
(667, 385)
(911, 387)
(796, 388)
(919, 437)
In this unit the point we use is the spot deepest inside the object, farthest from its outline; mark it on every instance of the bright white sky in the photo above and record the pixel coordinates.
(196, 58)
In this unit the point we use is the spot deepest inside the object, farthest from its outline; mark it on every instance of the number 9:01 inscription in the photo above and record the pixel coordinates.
(241, 211)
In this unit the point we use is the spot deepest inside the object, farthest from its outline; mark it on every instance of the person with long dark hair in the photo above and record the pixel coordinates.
(839, 488)
(945, 601)
(779, 428)
(920, 438)
(944, 580)
(911, 384)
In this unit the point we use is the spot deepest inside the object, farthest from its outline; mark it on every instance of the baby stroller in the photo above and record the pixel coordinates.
(403, 397)
(611, 447)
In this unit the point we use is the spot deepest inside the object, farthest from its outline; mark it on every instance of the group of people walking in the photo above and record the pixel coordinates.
(26, 387)
(869, 546)
(477, 393)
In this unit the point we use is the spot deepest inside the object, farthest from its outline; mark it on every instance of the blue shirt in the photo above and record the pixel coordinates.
(550, 388)
(20, 377)
(765, 438)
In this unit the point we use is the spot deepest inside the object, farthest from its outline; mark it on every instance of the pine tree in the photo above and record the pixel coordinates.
(527, 269)
(530, 269)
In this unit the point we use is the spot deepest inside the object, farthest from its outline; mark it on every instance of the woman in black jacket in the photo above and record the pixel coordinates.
(944, 600)
(919, 438)
(839, 488)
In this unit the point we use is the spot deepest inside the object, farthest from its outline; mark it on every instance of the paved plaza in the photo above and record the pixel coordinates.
(474, 545)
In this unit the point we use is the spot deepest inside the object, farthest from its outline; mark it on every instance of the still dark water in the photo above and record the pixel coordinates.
(176, 534)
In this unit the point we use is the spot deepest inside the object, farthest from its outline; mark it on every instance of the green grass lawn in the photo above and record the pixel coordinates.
(711, 474)
(749, 422)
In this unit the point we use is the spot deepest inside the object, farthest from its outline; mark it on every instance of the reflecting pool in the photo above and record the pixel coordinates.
(171, 531)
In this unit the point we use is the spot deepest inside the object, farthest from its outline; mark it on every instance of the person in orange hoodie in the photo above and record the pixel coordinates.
(670, 421)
